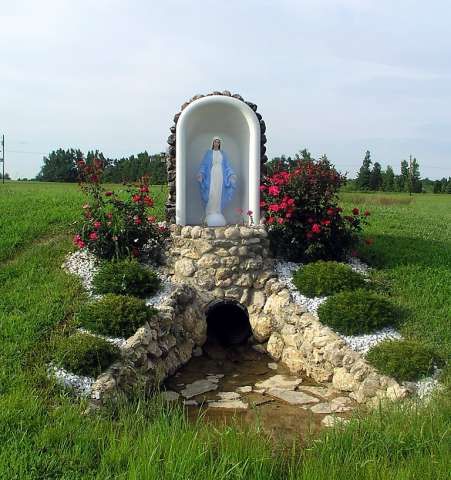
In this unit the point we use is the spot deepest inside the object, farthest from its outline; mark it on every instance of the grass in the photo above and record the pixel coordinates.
(45, 435)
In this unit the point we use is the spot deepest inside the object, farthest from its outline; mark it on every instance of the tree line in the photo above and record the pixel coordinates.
(61, 166)
(377, 179)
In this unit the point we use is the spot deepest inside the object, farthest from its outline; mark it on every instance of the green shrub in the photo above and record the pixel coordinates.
(85, 354)
(356, 312)
(126, 277)
(115, 315)
(326, 278)
(403, 359)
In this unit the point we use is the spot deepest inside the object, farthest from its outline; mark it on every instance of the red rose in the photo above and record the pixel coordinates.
(93, 236)
(274, 191)
(144, 189)
(262, 188)
(271, 220)
(151, 219)
(273, 207)
(367, 213)
(325, 222)
(137, 220)
(97, 224)
(369, 241)
(148, 201)
(250, 213)
(108, 194)
(280, 221)
(262, 203)
(136, 198)
(355, 211)
(316, 228)
(330, 212)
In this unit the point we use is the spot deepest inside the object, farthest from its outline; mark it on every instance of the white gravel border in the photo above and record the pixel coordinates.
(359, 343)
(80, 384)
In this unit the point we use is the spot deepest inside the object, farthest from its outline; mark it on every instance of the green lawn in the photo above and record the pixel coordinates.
(45, 435)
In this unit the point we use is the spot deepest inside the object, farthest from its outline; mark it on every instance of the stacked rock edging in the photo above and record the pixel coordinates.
(233, 263)
(171, 151)
(157, 349)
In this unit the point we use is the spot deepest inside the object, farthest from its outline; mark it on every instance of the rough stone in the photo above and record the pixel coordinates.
(343, 380)
(229, 404)
(279, 382)
(292, 397)
(244, 389)
(184, 267)
(198, 387)
(275, 346)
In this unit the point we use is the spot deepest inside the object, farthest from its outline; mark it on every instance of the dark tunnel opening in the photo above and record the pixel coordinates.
(228, 323)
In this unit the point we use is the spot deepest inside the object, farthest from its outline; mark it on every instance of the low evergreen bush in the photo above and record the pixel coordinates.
(126, 277)
(85, 354)
(115, 315)
(326, 278)
(404, 359)
(356, 312)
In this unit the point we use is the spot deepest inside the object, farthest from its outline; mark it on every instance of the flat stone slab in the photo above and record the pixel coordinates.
(170, 396)
(331, 421)
(190, 403)
(198, 387)
(231, 404)
(245, 389)
(292, 397)
(228, 395)
(325, 392)
(341, 404)
(321, 408)
(281, 382)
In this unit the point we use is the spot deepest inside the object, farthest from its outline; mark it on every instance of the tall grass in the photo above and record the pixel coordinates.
(45, 434)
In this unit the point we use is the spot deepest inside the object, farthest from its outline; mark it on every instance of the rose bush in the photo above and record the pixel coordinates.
(117, 225)
(300, 204)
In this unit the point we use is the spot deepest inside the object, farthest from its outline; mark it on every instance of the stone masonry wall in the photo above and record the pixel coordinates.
(234, 263)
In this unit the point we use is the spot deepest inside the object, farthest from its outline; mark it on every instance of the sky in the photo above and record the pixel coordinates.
(333, 76)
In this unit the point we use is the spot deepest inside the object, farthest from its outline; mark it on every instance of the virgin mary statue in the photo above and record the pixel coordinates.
(217, 183)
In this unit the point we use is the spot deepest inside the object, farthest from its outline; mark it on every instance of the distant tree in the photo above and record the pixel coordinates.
(444, 184)
(437, 188)
(388, 184)
(7, 177)
(60, 166)
(412, 182)
(303, 156)
(404, 180)
(398, 183)
(277, 163)
(363, 177)
(375, 182)
(448, 186)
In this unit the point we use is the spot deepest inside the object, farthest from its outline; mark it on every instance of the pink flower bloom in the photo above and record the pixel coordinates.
(137, 220)
(109, 215)
(136, 198)
(316, 228)
(250, 212)
(97, 224)
(151, 219)
(93, 236)
(274, 190)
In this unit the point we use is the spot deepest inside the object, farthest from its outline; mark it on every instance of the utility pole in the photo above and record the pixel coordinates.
(3, 158)
(410, 176)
